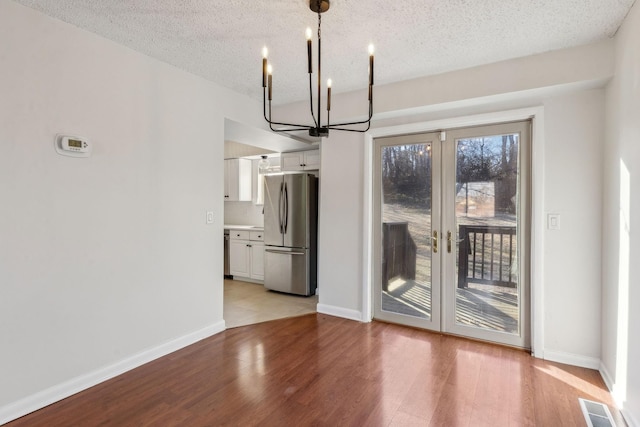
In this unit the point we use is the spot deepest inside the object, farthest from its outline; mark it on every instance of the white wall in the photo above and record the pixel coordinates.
(568, 85)
(149, 270)
(106, 258)
(621, 207)
(340, 229)
(574, 135)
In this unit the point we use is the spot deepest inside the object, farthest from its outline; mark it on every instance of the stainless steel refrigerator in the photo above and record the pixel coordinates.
(290, 233)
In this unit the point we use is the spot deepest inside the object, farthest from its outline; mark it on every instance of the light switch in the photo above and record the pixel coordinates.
(209, 217)
(553, 221)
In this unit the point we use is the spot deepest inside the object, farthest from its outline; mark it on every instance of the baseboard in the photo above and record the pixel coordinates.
(608, 381)
(61, 391)
(629, 418)
(346, 313)
(248, 280)
(572, 359)
(615, 393)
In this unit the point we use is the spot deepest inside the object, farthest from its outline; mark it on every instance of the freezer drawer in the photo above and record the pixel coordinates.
(289, 270)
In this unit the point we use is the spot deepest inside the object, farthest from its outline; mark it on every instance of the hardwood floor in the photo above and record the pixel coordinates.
(326, 371)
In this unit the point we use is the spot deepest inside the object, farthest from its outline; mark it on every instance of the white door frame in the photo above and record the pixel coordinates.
(536, 114)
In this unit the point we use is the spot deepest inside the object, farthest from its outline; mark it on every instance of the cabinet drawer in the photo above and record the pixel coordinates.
(256, 235)
(239, 234)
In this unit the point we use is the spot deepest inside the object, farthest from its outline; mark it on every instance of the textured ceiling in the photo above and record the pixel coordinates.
(222, 40)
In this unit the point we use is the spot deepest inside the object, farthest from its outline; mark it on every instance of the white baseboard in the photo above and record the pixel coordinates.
(618, 400)
(61, 391)
(608, 380)
(629, 418)
(572, 359)
(248, 280)
(346, 313)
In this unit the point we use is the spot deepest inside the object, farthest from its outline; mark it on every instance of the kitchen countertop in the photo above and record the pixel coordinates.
(243, 227)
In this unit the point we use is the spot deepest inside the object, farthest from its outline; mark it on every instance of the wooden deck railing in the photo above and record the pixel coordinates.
(486, 255)
(399, 252)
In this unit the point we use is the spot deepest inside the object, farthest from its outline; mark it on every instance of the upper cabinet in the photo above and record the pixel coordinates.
(301, 160)
(237, 180)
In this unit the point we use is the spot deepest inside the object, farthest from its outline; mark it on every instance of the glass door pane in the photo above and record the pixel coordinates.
(450, 215)
(488, 285)
(406, 247)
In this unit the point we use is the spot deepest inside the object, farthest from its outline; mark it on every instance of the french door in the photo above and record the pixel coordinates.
(451, 231)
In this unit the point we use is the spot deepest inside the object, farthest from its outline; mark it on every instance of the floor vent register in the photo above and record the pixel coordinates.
(596, 414)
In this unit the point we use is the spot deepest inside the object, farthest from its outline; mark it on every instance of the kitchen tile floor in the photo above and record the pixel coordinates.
(248, 303)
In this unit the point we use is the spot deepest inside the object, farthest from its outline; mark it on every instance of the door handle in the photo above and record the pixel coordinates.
(450, 240)
(435, 241)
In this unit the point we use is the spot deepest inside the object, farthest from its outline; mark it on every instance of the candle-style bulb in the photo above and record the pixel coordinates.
(370, 67)
(269, 81)
(309, 63)
(264, 66)
(308, 33)
(328, 82)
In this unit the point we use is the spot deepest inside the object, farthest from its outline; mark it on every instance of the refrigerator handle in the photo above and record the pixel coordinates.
(271, 251)
(280, 208)
(286, 208)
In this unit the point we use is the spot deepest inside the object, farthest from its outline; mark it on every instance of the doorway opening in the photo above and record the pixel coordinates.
(245, 299)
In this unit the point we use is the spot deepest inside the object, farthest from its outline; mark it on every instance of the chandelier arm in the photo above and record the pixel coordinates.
(264, 105)
(289, 130)
(315, 122)
(271, 122)
(302, 127)
(339, 126)
(351, 130)
(336, 125)
(361, 122)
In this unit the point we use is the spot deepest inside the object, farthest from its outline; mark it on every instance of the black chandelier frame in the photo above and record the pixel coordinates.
(317, 129)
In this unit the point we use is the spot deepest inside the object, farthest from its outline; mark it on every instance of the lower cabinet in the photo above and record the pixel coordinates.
(257, 260)
(246, 254)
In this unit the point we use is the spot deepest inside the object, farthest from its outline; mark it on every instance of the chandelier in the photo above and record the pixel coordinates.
(317, 129)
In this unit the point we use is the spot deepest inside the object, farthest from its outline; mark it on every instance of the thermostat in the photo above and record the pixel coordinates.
(73, 146)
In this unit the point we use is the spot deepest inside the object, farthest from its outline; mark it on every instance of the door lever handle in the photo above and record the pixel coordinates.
(435, 241)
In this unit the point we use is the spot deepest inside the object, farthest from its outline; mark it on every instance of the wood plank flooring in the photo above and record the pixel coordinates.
(326, 371)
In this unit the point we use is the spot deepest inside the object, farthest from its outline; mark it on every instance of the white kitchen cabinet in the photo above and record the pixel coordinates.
(239, 258)
(257, 260)
(246, 254)
(237, 180)
(300, 160)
